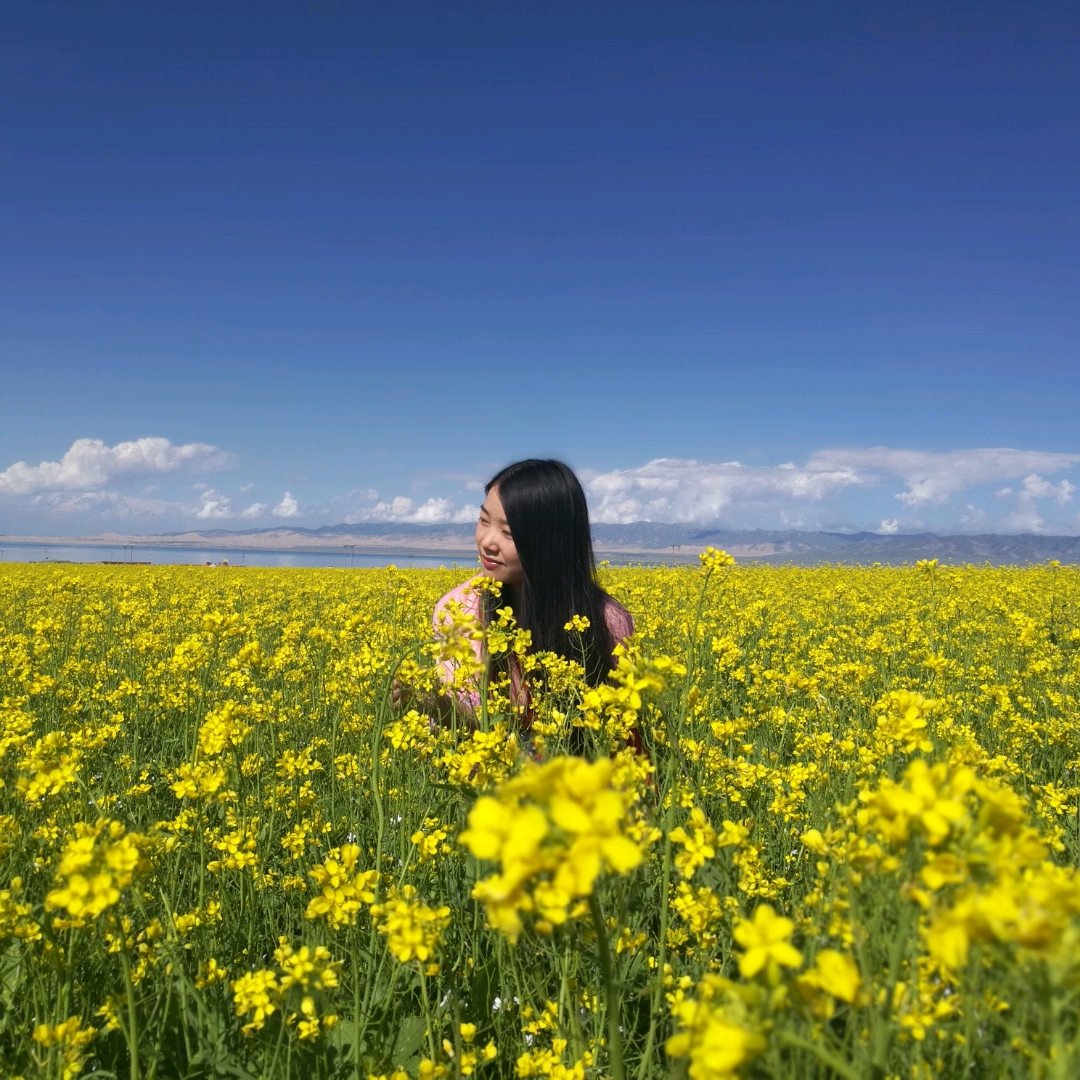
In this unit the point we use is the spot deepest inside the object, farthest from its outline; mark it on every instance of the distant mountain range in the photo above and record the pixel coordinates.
(648, 540)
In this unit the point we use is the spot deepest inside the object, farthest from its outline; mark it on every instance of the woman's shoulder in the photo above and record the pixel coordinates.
(620, 622)
(464, 595)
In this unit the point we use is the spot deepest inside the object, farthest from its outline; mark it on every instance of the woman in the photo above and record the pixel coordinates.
(533, 537)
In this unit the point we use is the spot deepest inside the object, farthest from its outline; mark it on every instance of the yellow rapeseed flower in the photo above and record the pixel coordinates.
(766, 939)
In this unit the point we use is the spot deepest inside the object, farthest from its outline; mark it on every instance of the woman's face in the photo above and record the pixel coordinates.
(498, 554)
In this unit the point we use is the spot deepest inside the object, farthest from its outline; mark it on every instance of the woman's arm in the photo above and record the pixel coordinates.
(620, 622)
(442, 705)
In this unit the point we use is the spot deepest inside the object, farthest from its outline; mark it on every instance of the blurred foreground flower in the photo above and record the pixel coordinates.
(552, 829)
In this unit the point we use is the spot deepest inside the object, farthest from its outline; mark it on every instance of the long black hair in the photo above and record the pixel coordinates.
(549, 522)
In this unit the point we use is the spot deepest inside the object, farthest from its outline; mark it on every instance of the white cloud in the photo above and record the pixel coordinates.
(934, 477)
(830, 489)
(111, 502)
(213, 504)
(89, 464)
(973, 518)
(1024, 519)
(1026, 516)
(405, 511)
(672, 489)
(1035, 487)
(287, 508)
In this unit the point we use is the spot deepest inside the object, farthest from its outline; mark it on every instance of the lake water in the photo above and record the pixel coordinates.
(199, 556)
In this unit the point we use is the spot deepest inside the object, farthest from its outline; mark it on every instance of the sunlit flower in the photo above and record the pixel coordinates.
(766, 939)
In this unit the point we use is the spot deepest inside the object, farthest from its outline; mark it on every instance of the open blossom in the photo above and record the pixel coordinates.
(1018, 898)
(903, 720)
(342, 888)
(613, 706)
(483, 757)
(195, 781)
(256, 995)
(15, 915)
(697, 844)
(716, 1047)
(238, 849)
(713, 559)
(701, 909)
(433, 842)
(310, 965)
(766, 939)
(222, 729)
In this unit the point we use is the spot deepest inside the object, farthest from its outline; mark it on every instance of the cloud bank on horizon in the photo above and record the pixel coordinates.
(90, 464)
(95, 485)
(670, 489)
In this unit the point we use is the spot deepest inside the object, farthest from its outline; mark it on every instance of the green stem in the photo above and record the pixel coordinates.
(356, 1005)
(427, 1014)
(665, 888)
(162, 1027)
(1063, 1065)
(133, 1022)
(457, 1029)
(277, 1049)
(884, 1026)
(615, 1054)
(184, 1015)
(376, 785)
(826, 1057)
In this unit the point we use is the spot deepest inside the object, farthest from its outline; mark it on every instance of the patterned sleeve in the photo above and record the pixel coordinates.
(620, 622)
(470, 601)
(462, 595)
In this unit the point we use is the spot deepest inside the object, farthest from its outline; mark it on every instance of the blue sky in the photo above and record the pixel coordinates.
(809, 265)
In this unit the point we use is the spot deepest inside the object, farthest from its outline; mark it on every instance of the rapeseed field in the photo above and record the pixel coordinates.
(819, 823)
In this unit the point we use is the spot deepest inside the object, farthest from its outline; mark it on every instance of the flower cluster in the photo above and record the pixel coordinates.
(551, 829)
(69, 1040)
(411, 928)
(852, 791)
(714, 1031)
(50, 766)
(613, 707)
(342, 888)
(16, 917)
(98, 863)
(714, 559)
(302, 973)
